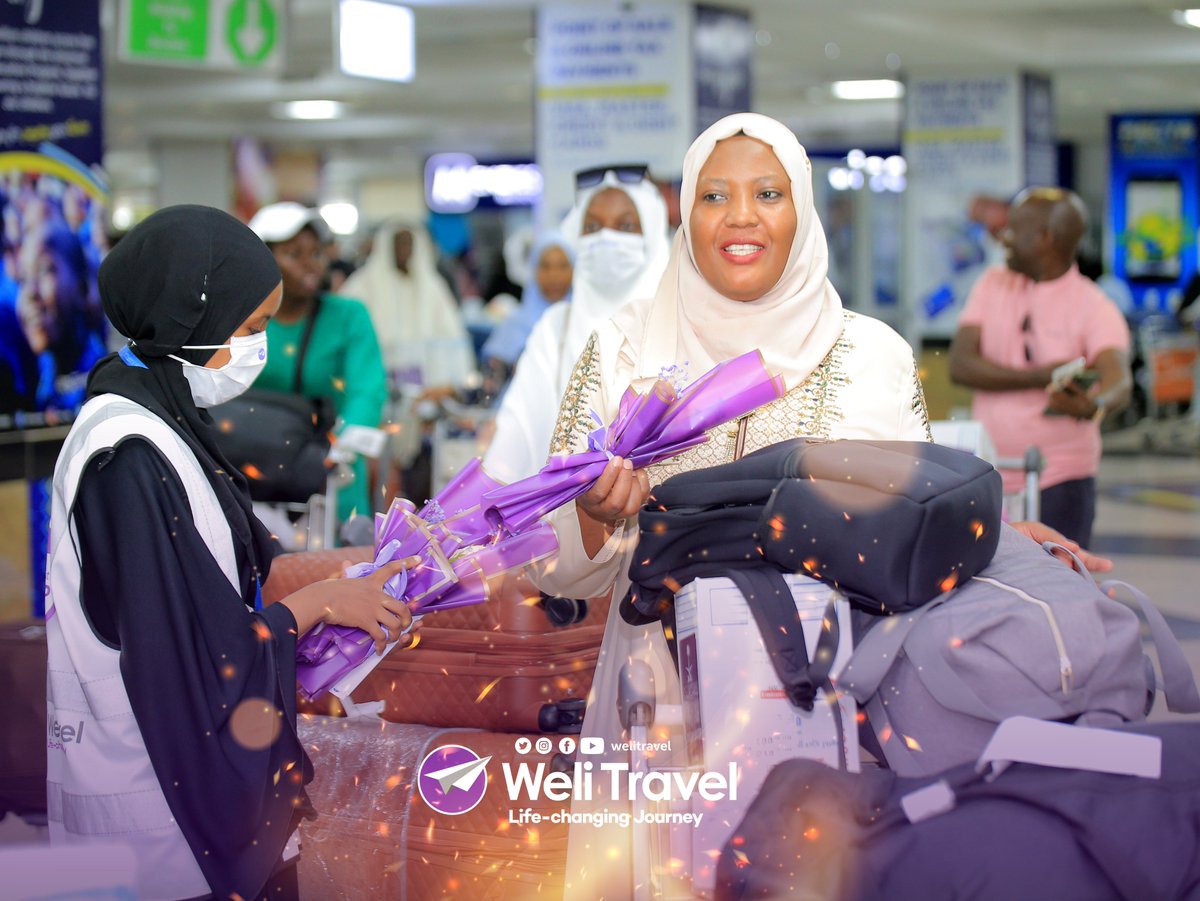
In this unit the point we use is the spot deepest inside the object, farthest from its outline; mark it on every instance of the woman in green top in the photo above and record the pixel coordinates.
(342, 361)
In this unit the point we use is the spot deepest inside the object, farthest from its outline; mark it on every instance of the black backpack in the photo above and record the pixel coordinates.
(890, 524)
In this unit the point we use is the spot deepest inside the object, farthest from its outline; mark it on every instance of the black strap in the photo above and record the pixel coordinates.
(305, 338)
(770, 601)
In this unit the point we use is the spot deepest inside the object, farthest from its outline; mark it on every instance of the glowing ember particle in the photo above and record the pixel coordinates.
(672, 585)
(956, 643)
(228, 671)
(811, 564)
(886, 734)
(862, 559)
(912, 743)
(487, 688)
(741, 859)
(429, 832)
(949, 582)
(977, 528)
(532, 837)
(812, 833)
(776, 523)
(261, 630)
(391, 782)
(252, 472)
(382, 829)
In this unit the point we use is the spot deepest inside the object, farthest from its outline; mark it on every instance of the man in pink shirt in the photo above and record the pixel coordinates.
(1019, 324)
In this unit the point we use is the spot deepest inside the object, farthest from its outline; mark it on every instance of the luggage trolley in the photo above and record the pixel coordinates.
(969, 435)
(1168, 382)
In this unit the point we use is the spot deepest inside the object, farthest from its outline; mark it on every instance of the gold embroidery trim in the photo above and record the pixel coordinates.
(574, 419)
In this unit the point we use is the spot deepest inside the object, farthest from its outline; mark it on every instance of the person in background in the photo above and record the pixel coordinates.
(342, 361)
(336, 274)
(172, 695)
(426, 349)
(618, 228)
(1021, 322)
(551, 263)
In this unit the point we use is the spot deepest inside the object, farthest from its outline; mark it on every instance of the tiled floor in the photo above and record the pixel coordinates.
(1148, 522)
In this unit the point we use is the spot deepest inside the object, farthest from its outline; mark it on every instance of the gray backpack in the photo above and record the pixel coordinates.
(1027, 636)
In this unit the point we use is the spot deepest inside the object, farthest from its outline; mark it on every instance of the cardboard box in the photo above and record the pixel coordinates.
(735, 709)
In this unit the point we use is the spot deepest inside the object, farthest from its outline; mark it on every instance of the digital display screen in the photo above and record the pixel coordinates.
(1154, 230)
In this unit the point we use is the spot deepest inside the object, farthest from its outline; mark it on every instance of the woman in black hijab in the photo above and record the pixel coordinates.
(191, 287)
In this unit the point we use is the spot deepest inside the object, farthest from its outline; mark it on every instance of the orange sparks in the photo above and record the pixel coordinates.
(812, 833)
(532, 837)
(912, 743)
(487, 688)
(776, 524)
(862, 559)
(949, 582)
(811, 565)
(741, 858)
(672, 585)
(956, 643)
(392, 782)
(261, 630)
(252, 472)
(977, 528)
(429, 832)
(382, 829)
(228, 671)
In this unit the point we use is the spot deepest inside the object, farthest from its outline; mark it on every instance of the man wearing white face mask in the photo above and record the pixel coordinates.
(618, 229)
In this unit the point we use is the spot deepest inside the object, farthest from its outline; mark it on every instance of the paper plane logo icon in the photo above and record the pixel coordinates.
(452, 779)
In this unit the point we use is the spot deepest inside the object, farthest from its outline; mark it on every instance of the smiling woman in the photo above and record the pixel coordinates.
(747, 272)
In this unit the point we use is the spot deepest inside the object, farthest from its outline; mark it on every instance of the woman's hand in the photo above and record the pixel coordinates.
(618, 494)
(1040, 532)
(358, 603)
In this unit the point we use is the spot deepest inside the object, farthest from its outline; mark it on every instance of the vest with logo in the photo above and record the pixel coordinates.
(100, 781)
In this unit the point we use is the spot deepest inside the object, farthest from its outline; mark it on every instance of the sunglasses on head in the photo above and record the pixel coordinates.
(629, 174)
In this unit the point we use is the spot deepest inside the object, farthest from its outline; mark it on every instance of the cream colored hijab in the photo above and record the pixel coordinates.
(794, 325)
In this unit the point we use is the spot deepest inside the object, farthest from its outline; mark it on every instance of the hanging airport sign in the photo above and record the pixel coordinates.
(217, 34)
(457, 183)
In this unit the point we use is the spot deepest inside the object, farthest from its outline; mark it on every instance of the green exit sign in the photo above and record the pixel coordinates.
(221, 34)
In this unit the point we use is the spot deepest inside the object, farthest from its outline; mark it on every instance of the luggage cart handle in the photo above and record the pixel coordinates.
(635, 694)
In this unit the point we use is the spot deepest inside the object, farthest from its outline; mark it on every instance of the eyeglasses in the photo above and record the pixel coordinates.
(628, 173)
(1027, 331)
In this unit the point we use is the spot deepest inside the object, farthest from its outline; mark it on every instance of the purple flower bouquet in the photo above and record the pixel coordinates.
(477, 529)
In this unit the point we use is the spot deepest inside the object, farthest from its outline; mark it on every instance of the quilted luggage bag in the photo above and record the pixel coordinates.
(517, 605)
(23, 734)
(376, 837)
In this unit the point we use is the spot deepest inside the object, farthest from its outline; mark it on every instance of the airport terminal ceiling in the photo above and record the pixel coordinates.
(474, 83)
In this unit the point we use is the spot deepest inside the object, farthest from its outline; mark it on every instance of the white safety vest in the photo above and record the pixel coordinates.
(100, 782)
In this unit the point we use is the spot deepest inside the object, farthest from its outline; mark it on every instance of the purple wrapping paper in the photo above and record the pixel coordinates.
(457, 553)
(477, 529)
(648, 429)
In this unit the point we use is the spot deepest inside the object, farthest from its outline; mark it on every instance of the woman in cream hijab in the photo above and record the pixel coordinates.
(420, 329)
(618, 232)
(747, 272)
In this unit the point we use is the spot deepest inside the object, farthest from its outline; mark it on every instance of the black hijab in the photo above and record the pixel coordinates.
(186, 275)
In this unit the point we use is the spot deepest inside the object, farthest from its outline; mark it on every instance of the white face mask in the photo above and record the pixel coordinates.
(210, 387)
(610, 258)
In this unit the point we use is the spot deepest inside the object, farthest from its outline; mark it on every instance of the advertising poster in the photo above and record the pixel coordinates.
(614, 85)
(1154, 206)
(963, 137)
(53, 221)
